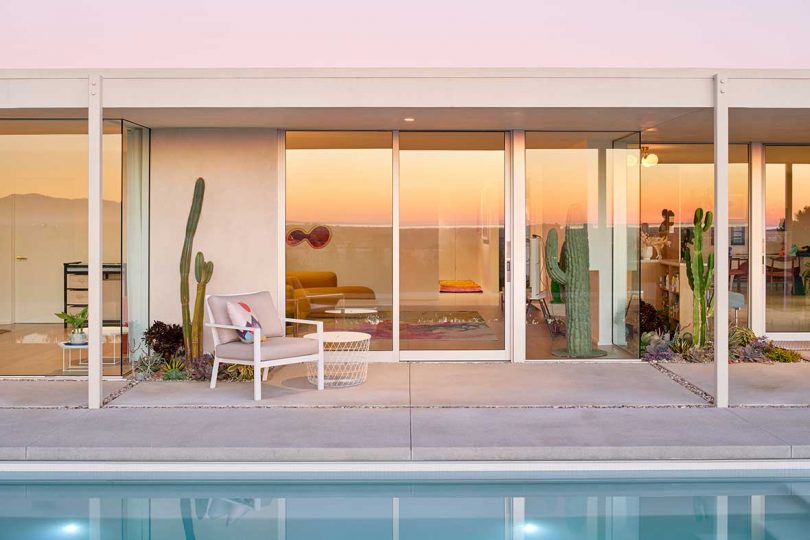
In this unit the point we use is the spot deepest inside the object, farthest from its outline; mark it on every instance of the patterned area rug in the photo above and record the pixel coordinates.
(440, 325)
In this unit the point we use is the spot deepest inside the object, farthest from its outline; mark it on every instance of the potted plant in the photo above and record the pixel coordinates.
(76, 321)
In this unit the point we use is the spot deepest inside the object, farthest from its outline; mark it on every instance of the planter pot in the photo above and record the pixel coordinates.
(646, 252)
(78, 338)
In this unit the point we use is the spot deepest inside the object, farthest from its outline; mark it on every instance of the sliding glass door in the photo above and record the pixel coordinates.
(344, 193)
(451, 254)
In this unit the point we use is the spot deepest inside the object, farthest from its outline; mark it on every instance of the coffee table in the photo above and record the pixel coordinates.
(345, 361)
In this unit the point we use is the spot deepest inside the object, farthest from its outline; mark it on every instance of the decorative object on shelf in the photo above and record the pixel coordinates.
(655, 242)
(572, 271)
(318, 237)
(76, 321)
(667, 225)
(203, 271)
(700, 278)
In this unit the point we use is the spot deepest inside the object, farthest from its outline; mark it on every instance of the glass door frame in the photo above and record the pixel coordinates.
(757, 159)
(396, 354)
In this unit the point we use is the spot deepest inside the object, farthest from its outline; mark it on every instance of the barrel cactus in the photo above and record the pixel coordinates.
(700, 278)
(192, 327)
(571, 270)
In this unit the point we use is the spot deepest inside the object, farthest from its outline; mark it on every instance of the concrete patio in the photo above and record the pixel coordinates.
(457, 384)
(415, 412)
(754, 384)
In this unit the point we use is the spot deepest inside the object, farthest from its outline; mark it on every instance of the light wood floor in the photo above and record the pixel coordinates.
(31, 349)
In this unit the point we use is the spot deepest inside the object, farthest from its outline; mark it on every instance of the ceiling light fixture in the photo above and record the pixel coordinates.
(648, 159)
(409, 119)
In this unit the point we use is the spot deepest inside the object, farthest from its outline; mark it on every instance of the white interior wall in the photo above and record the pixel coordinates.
(237, 229)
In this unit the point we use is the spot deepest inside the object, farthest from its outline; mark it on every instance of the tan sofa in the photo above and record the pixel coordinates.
(312, 293)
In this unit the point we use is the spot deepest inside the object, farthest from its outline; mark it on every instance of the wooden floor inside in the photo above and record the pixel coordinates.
(33, 350)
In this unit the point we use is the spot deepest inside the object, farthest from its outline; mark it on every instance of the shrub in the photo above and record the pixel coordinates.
(779, 354)
(659, 349)
(165, 339)
(650, 320)
(239, 372)
(700, 355)
(200, 369)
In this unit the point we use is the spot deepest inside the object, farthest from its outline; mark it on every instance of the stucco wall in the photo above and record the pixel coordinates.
(237, 229)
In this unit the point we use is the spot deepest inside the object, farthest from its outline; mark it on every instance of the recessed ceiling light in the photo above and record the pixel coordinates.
(409, 119)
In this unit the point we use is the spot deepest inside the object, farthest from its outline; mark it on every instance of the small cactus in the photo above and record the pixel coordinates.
(700, 278)
(572, 271)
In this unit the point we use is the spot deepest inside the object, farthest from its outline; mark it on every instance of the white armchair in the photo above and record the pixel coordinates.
(276, 350)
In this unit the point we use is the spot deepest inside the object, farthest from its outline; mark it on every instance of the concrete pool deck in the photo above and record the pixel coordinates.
(412, 413)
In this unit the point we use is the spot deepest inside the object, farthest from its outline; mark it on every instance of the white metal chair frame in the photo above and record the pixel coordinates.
(261, 368)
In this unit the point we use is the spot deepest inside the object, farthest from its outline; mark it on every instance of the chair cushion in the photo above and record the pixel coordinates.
(275, 348)
(241, 314)
(262, 305)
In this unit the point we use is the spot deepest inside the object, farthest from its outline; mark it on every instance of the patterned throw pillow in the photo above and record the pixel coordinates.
(241, 315)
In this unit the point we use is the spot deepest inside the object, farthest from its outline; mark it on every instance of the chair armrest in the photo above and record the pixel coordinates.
(317, 324)
(230, 327)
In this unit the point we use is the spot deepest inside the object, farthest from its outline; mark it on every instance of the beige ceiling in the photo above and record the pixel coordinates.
(656, 124)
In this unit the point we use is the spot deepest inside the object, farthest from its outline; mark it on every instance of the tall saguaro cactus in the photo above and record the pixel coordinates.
(572, 271)
(192, 328)
(700, 278)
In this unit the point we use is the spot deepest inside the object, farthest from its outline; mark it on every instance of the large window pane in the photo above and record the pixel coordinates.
(681, 181)
(338, 231)
(451, 241)
(582, 186)
(43, 244)
(787, 238)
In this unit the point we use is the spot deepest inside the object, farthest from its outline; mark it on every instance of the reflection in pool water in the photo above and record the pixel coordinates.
(588, 510)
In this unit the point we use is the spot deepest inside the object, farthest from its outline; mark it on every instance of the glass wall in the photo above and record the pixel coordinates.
(43, 246)
(582, 194)
(339, 242)
(787, 238)
(674, 183)
(451, 189)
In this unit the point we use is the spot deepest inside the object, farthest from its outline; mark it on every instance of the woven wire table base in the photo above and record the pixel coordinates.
(344, 364)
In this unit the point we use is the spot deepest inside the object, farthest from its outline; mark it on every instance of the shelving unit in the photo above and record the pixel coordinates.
(75, 283)
(676, 297)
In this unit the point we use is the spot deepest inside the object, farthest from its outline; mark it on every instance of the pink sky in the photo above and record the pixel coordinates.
(404, 33)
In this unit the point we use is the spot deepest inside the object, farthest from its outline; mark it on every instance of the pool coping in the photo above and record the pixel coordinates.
(392, 471)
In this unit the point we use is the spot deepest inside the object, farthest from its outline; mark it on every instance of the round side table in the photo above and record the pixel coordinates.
(345, 362)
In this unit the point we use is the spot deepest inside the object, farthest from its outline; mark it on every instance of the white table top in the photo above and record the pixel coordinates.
(351, 311)
(341, 337)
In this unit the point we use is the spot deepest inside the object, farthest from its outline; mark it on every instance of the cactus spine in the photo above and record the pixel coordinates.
(700, 278)
(572, 271)
(192, 327)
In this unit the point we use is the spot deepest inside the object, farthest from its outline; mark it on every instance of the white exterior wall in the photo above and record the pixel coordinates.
(237, 229)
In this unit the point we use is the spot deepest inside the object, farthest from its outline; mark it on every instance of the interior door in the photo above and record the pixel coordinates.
(47, 233)
(453, 266)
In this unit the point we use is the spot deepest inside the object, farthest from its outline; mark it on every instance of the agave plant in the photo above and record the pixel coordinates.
(174, 370)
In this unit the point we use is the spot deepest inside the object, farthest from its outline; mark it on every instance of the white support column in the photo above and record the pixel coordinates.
(756, 235)
(721, 239)
(518, 263)
(601, 254)
(281, 223)
(95, 131)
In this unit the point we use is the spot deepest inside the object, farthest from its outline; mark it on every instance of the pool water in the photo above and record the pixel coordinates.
(731, 508)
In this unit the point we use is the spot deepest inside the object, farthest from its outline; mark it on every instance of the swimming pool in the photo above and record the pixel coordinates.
(754, 508)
